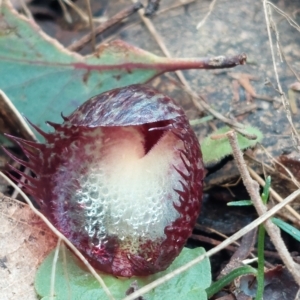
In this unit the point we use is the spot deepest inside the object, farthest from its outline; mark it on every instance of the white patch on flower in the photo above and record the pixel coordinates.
(127, 193)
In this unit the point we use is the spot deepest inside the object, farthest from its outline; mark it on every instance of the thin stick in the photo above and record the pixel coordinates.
(159, 12)
(76, 46)
(22, 179)
(253, 189)
(60, 236)
(177, 5)
(273, 193)
(221, 64)
(292, 22)
(91, 23)
(78, 10)
(153, 32)
(211, 241)
(26, 10)
(216, 249)
(161, 44)
(285, 102)
(147, 288)
(275, 161)
(53, 271)
(200, 103)
(211, 8)
(67, 15)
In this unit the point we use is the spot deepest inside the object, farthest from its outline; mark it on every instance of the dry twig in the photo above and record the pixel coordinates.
(76, 46)
(176, 5)
(78, 10)
(211, 8)
(269, 22)
(60, 236)
(292, 22)
(244, 230)
(273, 193)
(26, 10)
(218, 62)
(216, 249)
(91, 23)
(67, 15)
(253, 189)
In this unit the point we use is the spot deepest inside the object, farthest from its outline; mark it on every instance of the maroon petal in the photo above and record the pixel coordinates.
(121, 178)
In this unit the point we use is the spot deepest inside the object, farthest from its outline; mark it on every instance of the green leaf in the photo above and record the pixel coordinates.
(261, 262)
(240, 203)
(291, 230)
(225, 280)
(72, 281)
(266, 192)
(214, 150)
(43, 79)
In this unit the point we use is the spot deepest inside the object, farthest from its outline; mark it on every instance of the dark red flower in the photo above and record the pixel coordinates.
(121, 178)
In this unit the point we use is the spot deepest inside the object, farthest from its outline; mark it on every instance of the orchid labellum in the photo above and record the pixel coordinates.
(121, 178)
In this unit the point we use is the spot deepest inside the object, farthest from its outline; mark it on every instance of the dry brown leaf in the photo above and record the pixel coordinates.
(24, 242)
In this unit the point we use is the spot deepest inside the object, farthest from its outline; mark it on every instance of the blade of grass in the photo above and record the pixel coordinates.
(261, 263)
(261, 246)
(291, 230)
(225, 280)
(240, 203)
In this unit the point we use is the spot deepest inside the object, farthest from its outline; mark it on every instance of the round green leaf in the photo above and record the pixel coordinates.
(72, 281)
(214, 150)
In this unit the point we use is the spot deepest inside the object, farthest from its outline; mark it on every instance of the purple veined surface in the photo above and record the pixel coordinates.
(121, 178)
